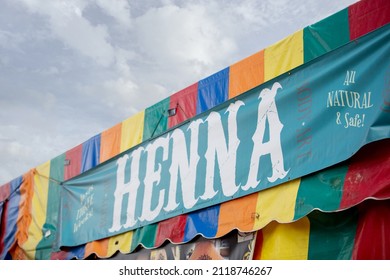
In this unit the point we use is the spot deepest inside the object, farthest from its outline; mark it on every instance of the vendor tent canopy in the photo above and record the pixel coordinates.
(338, 210)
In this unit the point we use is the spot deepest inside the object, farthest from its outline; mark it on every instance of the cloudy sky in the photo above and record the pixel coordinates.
(70, 69)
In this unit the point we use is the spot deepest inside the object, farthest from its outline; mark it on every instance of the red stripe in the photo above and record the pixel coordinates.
(73, 162)
(368, 174)
(5, 191)
(372, 241)
(61, 255)
(367, 15)
(185, 103)
(3, 227)
(172, 229)
(4, 194)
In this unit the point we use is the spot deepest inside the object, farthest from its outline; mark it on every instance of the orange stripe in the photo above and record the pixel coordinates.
(110, 142)
(99, 247)
(24, 216)
(246, 74)
(24, 219)
(238, 213)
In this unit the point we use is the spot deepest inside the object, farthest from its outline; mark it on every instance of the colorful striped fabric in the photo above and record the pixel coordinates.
(10, 195)
(29, 204)
(318, 236)
(299, 207)
(360, 232)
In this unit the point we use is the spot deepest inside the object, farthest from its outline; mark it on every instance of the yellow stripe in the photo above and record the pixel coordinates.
(38, 209)
(283, 56)
(132, 131)
(121, 242)
(286, 241)
(277, 203)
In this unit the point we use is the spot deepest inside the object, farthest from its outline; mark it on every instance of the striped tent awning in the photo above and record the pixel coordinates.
(341, 212)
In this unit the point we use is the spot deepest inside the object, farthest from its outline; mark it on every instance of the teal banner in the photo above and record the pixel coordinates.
(313, 117)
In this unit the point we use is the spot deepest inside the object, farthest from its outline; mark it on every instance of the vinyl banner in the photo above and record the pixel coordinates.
(310, 118)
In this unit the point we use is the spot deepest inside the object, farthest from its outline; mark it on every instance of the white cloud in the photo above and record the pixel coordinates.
(118, 9)
(67, 23)
(17, 151)
(173, 34)
(10, 41)
(112, 82)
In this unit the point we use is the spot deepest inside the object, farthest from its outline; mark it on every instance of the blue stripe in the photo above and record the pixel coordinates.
(204, 222)
(213, 91)
(91, 153)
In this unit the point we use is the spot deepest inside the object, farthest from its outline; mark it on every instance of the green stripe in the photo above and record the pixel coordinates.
(322, 190)
(156, 119)
(44, 247)
(145, 235)
(326, 35)
(332, 235)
